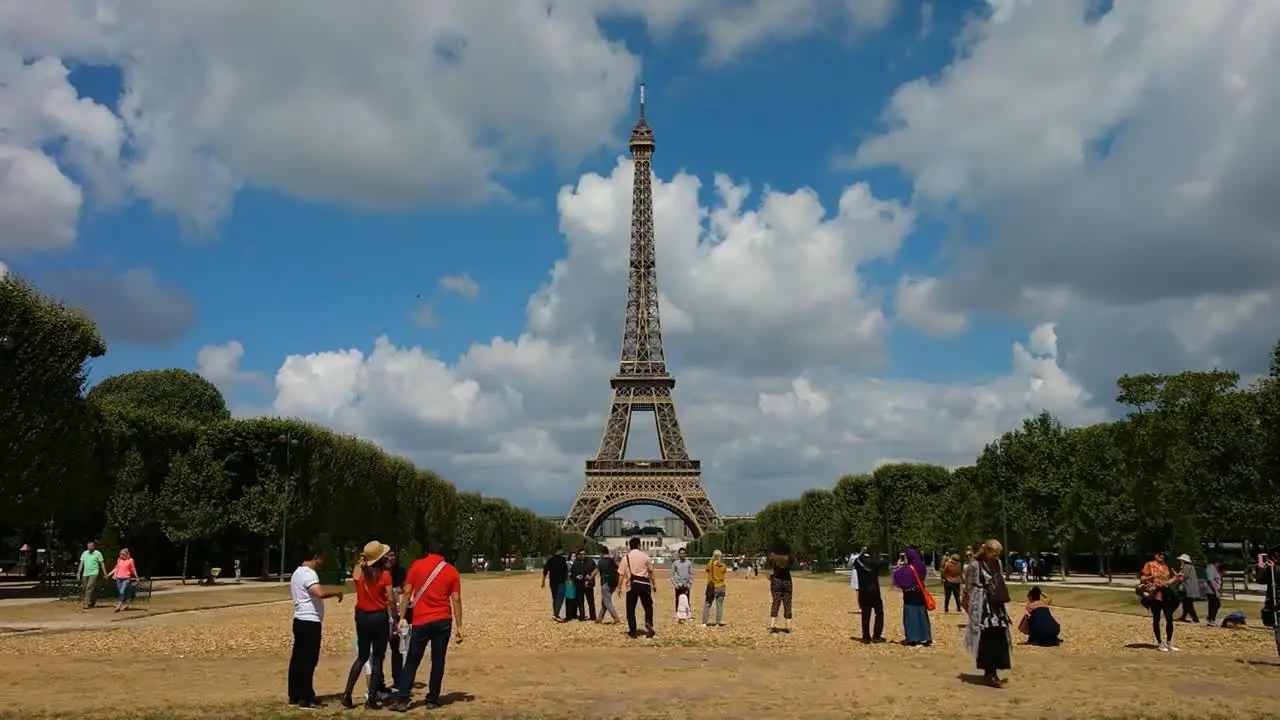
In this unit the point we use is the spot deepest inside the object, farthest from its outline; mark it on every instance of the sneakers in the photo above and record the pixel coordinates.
(1173, 647)
(1162, 647)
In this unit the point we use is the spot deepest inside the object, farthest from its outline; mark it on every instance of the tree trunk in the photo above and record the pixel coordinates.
(186, 550)
(1062, 553)
(266, 558)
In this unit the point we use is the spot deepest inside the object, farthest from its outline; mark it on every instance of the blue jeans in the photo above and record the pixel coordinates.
(435, 635)
(557, 598)
(123, 588)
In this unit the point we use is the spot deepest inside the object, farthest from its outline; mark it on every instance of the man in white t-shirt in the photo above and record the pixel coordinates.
(308, 618)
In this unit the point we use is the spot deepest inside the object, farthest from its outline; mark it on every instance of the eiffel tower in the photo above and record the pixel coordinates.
(642, 384)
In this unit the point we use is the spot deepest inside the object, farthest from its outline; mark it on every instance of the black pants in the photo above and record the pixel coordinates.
(780, 590)
(950, 590)
(1189, 610)
(1214, 605)
(435, 635)
(373, 633)
(1158, 608)
(586, 602)
(642, 594)
(303, 661)
(868, 603)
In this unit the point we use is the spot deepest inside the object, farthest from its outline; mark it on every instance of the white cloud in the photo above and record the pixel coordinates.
(4, 270)
(772, 318)
(914, 302)
(1124, 166)
(39, 204)
(461, 285)
(220, 365)
(220, 94)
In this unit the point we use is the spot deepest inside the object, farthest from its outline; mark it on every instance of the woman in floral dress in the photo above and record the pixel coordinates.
(987, 633)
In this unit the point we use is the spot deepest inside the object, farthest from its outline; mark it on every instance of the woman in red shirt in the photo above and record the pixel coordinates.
(373, 622)
(125, 573)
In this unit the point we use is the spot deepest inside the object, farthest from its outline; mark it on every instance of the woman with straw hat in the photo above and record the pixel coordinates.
(373, 623)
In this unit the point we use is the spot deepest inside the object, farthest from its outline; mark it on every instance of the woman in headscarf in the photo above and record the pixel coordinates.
(373, 621)
(1191, 590)
(1038, 623)
(909, 578)
(987, 633)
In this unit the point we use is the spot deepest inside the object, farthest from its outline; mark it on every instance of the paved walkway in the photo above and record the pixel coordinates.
(162, 588)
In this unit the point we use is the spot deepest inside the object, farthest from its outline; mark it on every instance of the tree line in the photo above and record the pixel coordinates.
(1191, 467)
(154, 458)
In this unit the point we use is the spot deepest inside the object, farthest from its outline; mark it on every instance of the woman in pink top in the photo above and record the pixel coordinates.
(125, 572)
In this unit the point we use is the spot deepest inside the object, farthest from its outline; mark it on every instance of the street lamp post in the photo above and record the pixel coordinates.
(289, 442)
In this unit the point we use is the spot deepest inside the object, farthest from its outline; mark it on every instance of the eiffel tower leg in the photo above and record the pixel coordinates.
(613, 444)
(670, 438)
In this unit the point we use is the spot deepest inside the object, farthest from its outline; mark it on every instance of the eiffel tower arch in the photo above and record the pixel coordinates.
(642, 384)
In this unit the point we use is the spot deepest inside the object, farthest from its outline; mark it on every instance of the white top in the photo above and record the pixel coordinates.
(305, 605)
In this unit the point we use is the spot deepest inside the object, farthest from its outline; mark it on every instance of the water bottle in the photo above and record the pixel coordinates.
(404, 640)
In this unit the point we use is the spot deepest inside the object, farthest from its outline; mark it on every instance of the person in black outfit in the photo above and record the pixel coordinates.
(607, 574)
(557, 569)
(397, 660)
(867, 566)
(582, 572)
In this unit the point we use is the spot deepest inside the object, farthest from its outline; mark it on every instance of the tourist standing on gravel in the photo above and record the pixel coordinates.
(716, 574)
(986, 635)
(1159, 598)
(909, 578)
(395, 648)
(780, 589)
(88, 571)
(125, 573)
(433, 590)
(867, 569)
(556, 568)
(606, 576)
(308, 598)
(1271, 595)
(638, 584)
(681, 577)
(373, 621)
(952, 576)
(583, 576)
(1191, 590)
(1213, 589)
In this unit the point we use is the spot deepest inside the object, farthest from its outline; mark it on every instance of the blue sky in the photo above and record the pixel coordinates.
(301, 265)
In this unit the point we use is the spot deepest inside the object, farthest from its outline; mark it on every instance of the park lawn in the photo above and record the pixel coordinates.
(160, 603)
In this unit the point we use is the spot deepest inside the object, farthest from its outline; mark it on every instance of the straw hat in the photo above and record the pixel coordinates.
(374, 551)
(1184, 558)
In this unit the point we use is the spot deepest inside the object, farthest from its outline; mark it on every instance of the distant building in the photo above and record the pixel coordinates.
(660, 537)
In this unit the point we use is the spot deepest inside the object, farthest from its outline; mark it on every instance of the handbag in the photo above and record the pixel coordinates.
(930, 603)
(643, 582)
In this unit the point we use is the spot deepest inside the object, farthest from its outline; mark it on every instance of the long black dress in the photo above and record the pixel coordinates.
(994, 643)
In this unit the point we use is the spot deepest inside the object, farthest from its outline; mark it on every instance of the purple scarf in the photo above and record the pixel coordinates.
(903, 578)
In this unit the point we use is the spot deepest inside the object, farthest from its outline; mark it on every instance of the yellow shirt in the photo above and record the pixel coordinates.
(716, 571)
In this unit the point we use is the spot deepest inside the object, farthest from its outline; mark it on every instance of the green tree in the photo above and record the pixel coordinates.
(47, 453)
(168, 393)
(193, 501)
(817, 522)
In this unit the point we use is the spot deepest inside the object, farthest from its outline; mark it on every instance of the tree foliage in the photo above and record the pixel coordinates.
(1194, 461)
(154, 456)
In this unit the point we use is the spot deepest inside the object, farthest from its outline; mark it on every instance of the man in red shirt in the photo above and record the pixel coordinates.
(433, 590)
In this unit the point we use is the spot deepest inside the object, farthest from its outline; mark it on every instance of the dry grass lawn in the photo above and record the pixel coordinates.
(167, 601)
(517, 663)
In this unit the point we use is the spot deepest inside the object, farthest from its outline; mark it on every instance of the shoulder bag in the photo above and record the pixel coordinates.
(639, 583)
(930, 603)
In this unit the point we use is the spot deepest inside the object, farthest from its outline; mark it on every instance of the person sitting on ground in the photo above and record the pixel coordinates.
(1038, 623)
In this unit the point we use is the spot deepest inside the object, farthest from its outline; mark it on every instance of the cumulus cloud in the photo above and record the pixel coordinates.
(39, 203)
(133, 307)
(916, 304)
(767, 316)
(1125, 177)
(220, 94)
(220, 365)
(461, 285)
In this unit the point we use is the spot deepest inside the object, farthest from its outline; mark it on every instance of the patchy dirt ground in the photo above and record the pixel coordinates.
(517, 663)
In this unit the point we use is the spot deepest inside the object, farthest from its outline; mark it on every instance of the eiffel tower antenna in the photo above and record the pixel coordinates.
(642, 384)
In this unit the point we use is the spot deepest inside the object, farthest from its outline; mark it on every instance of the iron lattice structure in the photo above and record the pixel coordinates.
(642, 384)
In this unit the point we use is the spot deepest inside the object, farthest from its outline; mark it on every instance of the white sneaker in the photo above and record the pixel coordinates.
(702, 624)
(1162, 647)
(1173, 647)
